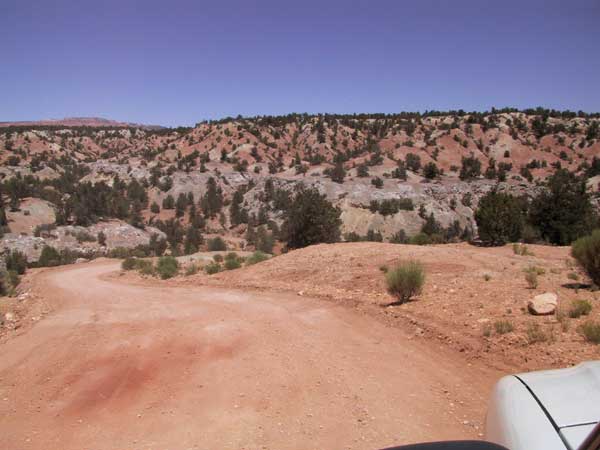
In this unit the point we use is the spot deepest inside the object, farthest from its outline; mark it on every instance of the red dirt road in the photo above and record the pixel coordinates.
(129, 366)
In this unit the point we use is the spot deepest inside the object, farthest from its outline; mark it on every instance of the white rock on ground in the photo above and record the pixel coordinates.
(544, 304)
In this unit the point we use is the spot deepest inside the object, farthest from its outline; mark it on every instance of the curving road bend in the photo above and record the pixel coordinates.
(124, 366)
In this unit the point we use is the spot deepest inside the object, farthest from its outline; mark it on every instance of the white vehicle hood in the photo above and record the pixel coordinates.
(570, 396)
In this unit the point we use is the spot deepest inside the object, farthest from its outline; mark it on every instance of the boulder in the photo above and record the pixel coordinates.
(544, 304)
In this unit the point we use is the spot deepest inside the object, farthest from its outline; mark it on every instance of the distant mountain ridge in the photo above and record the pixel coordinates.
(78, 122)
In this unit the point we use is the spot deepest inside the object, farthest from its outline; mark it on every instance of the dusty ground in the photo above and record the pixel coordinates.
(120, 365)
(457, 304)
(296, 352)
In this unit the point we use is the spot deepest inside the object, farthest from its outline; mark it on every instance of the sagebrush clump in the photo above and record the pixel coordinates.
(586, 251)
(167, 267)
(579, 308)
(405, 280)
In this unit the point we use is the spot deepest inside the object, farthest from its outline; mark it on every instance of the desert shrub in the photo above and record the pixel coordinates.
(579, 308)
(43, 228)
(101, 237)
(487, 277)
(591, 331)
(256, 257)
(218, 258)
(231, 264)
(399, 238)
(521, 249)
(420, 239)
(192, 269)
(405, 280)
(128, 263)
(167, 267)
(503, 326)
(532, 279)
(84, 236)
(486, 330)
(216, 244)
(562, 318)
(9, 281)
(586, 251)
(535, 333)
(49, 257)
(17, 261)
(311, 219)
(144, 267)
(213, 267)
(471, 168)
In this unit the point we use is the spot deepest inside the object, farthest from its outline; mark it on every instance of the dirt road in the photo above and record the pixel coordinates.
(124, 366)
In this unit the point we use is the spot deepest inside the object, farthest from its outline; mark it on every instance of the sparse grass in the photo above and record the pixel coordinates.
(192, 269)
(590, 330)
(521, 249)
(405, 280)
(563, 319)
(535, 333)
(579, 308)
(538, 270)
(486, 330)
(532, 279)
(503, 326)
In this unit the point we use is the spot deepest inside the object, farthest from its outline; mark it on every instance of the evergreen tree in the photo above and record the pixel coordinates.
(311, 219)
(499, 218)
(563, 211)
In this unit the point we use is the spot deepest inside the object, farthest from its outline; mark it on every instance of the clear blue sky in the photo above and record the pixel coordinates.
(179, 62)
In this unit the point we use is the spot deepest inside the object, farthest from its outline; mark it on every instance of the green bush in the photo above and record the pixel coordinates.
(8, 282)
(405, 280)
(216, 245)
(256, 257)
(232, 263)
(49, 257)
(218, 258)
(167, 267)
(420, 239)
(579, 308)
(17, 261)
(213, 267)
(145, 267)
(591, 331)
(586, 251)
(128, 263)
